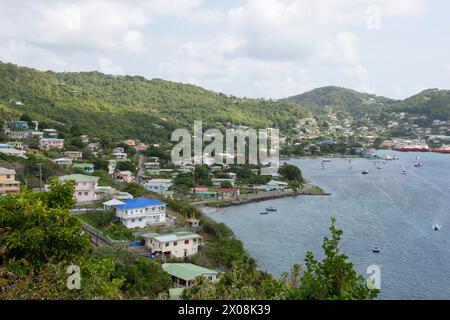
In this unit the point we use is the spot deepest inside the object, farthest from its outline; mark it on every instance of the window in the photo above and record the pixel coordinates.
(86, 193)
(133, 220)
(167, 244)
(8, 176)
(175, 243)
(80, 193)
(186, 241)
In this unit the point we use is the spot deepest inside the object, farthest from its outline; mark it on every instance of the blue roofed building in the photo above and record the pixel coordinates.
(141, 212)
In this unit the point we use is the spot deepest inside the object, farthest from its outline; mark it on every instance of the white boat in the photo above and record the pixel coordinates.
(326, 160)
(365, 172)
(376, 249)
(436, 227)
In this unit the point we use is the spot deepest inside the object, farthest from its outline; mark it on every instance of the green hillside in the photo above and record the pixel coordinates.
(116, 107)
(341, 100)
(432, 103)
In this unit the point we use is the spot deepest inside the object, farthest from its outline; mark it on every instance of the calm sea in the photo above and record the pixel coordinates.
(384, 208)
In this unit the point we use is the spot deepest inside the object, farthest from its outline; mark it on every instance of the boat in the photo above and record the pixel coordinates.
(365, 172)
(376, 249)
(404, 171)
(418, 165)
(264, 212)
(443, 149)
(436, 227)
(412, 147)
(268, 209)
(379, 167)
(326, 160)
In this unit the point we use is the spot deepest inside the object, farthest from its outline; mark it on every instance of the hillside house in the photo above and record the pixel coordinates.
(177, 244)
(158, 185)
(141, 212)
(74, 155)
(125, 176)
(84, 187)
(184, 274)
(8, 183)
(51, 143)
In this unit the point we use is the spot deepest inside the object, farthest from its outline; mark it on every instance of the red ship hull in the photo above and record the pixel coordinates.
(411, 150)
(441, 151)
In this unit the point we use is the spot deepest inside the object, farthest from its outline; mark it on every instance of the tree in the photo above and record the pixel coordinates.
(35, 227)
(61, 194)
(126, 166)
(201, 175)
(333, 278)
(291, 172)
(226, 184)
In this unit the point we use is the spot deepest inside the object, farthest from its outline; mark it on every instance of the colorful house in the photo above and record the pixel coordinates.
(184, 274)
(8, 183)
(141, 212)
(51, 143)
(158, 185)
(125, 176)
(84, 188)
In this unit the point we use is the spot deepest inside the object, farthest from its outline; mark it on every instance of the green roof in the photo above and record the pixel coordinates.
(185, 271)
(78, 177)
(82, 165)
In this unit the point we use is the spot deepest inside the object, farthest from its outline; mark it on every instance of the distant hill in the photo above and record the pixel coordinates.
(341, 100)
(433, 103)
(116, 107)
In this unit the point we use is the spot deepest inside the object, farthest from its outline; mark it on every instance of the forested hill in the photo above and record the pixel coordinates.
(432, 103)
(116, 107)
(341, 99)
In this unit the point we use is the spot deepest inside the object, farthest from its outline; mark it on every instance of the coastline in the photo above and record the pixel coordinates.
(307, 190)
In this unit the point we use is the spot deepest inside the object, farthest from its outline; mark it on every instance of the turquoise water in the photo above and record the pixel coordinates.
(384, 208)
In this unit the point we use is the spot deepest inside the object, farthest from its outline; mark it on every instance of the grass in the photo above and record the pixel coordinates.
(88, 218)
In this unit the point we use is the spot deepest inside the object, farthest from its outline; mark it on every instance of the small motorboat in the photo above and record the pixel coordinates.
(379, 167)
(264, 212)
(376, 249)
(365, 172)
(271, 209)
(436, 227)
(326, 160)
(418, 165)
(404, 171)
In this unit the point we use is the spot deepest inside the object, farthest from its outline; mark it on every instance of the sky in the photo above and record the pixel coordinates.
(253, 48)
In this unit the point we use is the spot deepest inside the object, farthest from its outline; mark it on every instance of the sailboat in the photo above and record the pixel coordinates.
(436, 227)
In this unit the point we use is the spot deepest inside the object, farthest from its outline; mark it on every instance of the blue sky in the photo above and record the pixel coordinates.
(253, 48)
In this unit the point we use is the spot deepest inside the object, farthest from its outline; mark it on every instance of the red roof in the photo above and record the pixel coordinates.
(199, 189)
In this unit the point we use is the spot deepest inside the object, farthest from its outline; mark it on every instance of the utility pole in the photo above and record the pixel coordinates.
(40, 175)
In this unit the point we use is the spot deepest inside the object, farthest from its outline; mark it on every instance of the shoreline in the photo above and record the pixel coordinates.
(309, 190)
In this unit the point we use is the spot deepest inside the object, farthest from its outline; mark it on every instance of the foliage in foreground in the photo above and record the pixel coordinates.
(333, 278)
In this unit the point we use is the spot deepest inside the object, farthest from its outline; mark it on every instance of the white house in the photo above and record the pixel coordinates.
(158, 185)
(178, 244)
(141, 212)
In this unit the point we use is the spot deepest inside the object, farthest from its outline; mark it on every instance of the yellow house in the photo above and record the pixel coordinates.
(8, 183)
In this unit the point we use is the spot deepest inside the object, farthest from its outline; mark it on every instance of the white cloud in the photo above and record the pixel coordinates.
(107, 66)
(269, 48)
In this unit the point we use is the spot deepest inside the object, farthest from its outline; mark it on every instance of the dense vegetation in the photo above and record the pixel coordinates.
(433, 103)
(39, 239)
(112, 107)
(341, 100)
